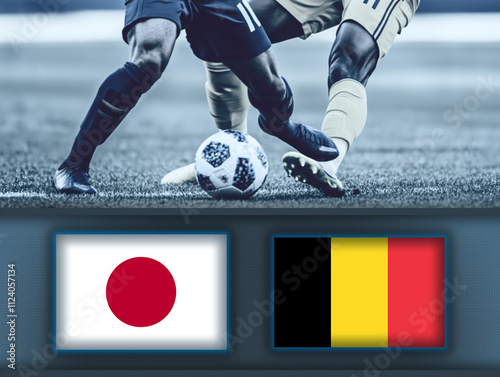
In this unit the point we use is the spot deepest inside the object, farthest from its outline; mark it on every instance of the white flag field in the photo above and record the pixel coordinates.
(141, 292)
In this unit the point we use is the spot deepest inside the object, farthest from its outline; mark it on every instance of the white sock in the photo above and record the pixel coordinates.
(342, 146)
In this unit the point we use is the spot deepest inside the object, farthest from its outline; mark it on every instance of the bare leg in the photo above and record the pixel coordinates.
(151, 44)
(354, 54)
(260, 75)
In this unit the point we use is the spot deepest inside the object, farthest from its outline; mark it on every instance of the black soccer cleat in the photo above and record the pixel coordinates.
(73, 181)
(308, 141)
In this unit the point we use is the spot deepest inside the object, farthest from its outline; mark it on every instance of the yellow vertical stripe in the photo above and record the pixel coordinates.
(359, 281)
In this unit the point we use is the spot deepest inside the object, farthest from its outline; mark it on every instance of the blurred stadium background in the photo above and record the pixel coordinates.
(431, 139)
(28, 6)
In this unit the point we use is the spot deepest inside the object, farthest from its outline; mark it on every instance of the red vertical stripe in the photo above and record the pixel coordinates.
(416, 285)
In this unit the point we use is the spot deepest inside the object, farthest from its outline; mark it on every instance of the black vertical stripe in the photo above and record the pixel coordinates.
(302, 273)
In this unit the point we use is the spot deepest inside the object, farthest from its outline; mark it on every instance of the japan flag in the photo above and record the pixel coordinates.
(141, 292)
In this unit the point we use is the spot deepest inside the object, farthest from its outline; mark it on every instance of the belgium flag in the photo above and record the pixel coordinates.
(359, 292)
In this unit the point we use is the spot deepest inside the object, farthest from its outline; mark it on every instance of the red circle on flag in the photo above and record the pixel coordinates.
(141, 292)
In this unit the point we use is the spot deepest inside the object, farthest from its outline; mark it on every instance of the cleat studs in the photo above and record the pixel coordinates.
(302, 162)
(297, 178)
(314, 170)
(304, 180)
(285, 164)
(292, 166)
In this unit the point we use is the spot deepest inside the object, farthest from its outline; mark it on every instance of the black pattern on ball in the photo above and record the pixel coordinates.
(238, 135)
(244, 174)
(262, 157)
(216, 153)
(205, 182)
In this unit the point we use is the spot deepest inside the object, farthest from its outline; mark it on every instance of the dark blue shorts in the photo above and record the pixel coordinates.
(217, 30)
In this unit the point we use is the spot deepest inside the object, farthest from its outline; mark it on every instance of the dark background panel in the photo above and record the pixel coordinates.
(473, 266)
(263, 373)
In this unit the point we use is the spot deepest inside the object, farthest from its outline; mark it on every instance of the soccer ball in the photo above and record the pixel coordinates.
(231, 165)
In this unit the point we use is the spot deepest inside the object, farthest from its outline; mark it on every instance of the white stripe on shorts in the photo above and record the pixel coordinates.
(246, 17)
(252, 13)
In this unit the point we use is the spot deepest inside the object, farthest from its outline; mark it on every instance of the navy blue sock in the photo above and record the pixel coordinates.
(117, 95)
(273, 113)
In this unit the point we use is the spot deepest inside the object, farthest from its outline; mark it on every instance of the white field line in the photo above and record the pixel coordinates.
(10, 195)
(105, 26)
(121, 195)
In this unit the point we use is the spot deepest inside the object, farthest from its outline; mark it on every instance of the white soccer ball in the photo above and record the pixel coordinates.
(231, 165)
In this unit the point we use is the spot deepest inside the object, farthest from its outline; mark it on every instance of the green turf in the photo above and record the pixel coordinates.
(408, 156)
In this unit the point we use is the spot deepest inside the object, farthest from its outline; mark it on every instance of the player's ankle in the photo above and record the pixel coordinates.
(343, 147)
(71, 164)
(329, 167)
(274, 114)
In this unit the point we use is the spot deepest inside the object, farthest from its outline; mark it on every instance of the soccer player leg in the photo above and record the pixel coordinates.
(229, 31)
(272, 96)
(227, 97)
(353, 59)
(228, 102)
(365, 36)
(151, 42)
(226, 94)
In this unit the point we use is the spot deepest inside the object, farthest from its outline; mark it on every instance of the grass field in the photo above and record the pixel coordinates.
(431, 139)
